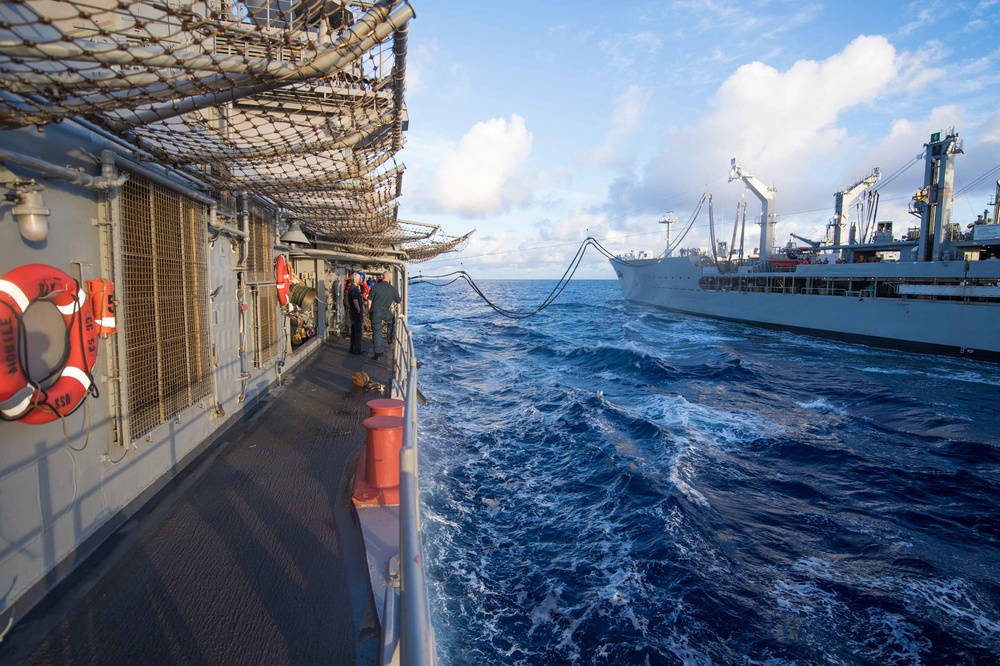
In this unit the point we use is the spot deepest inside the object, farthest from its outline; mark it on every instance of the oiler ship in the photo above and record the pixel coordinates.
(190, 471)
(935, 288)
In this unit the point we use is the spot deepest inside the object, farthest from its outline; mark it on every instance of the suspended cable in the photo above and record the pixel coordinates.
(694, 216)
(899, 172)
(979, 181)
(561, 285)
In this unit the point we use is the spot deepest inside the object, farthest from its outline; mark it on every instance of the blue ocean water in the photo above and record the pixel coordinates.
(611, 484)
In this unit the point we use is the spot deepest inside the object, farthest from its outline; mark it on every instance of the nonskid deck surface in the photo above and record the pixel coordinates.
(254, 558)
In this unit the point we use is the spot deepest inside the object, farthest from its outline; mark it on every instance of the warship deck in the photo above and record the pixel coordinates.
(251, 555)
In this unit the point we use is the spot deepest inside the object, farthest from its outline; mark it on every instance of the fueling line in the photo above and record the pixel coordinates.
(561, 285)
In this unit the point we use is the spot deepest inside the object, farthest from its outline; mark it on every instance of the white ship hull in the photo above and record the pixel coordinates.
(939, 307)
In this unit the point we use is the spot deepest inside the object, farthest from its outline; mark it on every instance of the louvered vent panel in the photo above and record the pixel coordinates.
(260, 267)
(265, 325)
(164, 303)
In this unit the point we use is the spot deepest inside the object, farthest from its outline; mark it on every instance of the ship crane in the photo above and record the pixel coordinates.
(935, 200)
(811, 243)
(766, 195)
(843, 199)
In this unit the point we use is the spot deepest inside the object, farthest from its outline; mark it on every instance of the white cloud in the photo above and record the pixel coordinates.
(626, 119)
(906, 138)
(623, 50)
(929, 13)
(482, 175)
(789, 126)
(771, 117)
(421, 57)
(739, 19)
(428, 71)
(990, 130)
(917, 70)
(553, 245)
(780, 123)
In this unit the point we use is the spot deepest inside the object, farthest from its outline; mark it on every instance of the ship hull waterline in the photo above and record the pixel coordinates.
(965, 328)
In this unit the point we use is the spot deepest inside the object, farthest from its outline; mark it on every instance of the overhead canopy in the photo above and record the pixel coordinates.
(299, 103)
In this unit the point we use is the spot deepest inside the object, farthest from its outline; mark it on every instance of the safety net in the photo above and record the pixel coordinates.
(299, 103)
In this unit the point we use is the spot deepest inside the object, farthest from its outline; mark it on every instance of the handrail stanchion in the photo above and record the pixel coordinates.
(417, 643)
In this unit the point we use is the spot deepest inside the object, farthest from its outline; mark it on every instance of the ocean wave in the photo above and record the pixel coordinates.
(607, 483)
(823, 405)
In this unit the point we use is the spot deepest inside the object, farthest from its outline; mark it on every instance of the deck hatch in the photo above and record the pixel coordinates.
(164, 303)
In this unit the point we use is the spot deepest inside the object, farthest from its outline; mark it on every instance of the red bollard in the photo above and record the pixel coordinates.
(386, 407)
(383, 442)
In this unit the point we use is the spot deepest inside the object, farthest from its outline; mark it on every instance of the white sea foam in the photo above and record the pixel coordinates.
(973, 378)
(693, 429)
(954, 598)
(893, 640)
(678, 471)
(823, 405)
(713, 425)
(612, 592)
(492, 506)
(965, 376)
(803, 597)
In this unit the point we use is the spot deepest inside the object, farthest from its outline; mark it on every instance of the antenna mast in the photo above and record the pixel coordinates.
(668, 219)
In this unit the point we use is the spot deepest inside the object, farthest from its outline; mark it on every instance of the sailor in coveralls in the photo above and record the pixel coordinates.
(383, 295)
(356, 305)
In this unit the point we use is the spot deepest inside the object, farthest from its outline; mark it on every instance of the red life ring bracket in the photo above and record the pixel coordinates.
(21, 398)
(282, 279)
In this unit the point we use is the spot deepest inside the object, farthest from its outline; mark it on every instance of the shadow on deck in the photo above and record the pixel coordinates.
(253, 555)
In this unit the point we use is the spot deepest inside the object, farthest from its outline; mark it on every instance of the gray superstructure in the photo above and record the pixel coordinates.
(940, 292)
(185, 188)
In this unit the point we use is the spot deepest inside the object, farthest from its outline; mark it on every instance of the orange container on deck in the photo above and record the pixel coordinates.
(383, 441)
(386, 407)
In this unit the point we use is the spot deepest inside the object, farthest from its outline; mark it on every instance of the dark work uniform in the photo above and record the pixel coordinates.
(357, 319)
(382, 296)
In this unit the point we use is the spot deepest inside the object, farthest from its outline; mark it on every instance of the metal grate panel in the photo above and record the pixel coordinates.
(164, 303)
(265, 325)
(259, 261)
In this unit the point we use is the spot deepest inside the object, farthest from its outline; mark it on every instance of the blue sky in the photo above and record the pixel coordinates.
(540, 123)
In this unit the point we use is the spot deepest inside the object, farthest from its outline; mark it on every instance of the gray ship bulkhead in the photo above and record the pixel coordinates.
(958, 327)
(56, 505)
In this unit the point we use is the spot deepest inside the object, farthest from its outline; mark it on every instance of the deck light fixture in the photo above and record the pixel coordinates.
(29, 212)
(293, 236)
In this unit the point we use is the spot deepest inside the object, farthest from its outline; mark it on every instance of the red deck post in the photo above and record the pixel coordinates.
(386, 407)
(383, 441)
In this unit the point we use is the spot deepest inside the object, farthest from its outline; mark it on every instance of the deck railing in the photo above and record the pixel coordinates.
(416, 645)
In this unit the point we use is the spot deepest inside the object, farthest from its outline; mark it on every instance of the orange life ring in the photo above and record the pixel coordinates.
(20, 398)
(282, 279)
